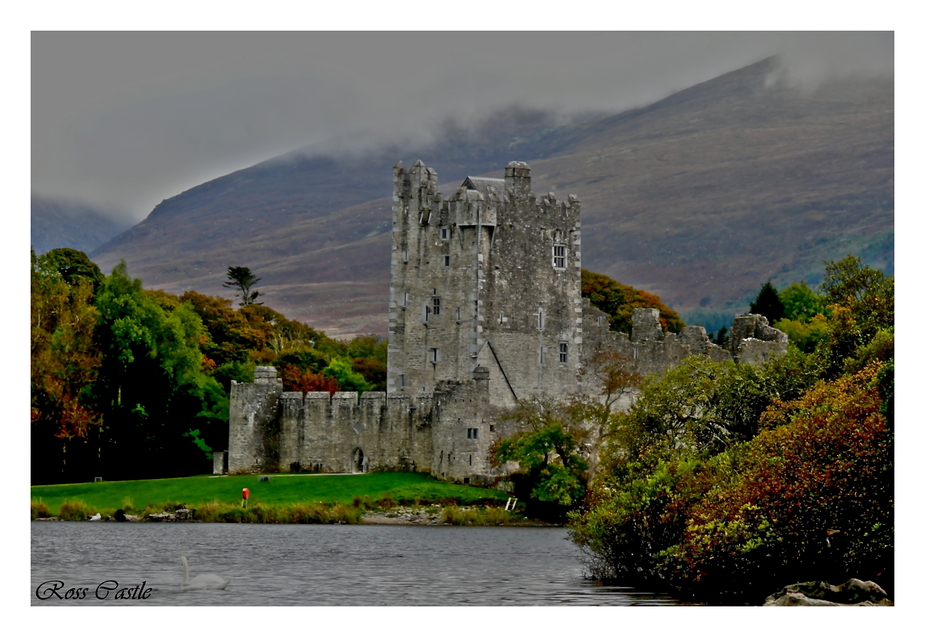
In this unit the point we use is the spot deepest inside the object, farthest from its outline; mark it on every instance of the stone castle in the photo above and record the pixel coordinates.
(485, 309)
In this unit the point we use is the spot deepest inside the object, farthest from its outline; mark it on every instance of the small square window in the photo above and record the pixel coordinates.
(472, 433)
(444, 233)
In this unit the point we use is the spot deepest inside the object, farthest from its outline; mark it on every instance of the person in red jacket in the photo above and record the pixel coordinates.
(245, 494)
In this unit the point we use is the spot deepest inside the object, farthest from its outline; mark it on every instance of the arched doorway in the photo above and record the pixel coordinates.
(360, 461)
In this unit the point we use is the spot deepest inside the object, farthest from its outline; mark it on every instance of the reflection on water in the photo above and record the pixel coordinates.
(326, 565)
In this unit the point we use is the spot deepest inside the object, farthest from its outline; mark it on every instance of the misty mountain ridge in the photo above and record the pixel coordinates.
(59, 223)
(699, 197)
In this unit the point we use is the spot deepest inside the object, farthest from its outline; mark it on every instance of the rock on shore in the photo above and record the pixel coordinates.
(854, 592)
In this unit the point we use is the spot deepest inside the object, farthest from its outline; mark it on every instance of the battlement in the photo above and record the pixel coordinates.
(416, 194)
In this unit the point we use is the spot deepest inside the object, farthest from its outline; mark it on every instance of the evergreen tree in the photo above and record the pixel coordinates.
(241, 278)
(768, 304)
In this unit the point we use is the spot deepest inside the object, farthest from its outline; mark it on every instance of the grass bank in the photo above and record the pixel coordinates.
(285, 497)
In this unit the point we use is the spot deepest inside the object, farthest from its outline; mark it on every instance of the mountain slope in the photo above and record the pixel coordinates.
(65, 224)
(699, 198)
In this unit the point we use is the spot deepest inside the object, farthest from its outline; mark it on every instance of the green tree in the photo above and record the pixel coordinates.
(72, 265)
(860, 299)
(550, 472)
(768, 304)
(341, 370)
(152, 389)
(242, 279)
(801, 303)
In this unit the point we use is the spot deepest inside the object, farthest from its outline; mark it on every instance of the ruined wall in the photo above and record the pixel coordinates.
(253, 422)
(752, 340)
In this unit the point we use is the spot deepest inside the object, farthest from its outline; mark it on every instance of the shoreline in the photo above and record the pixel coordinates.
(429, 515)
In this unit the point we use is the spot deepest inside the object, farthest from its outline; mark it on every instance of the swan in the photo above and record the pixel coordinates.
(207, 581)
(94, 518)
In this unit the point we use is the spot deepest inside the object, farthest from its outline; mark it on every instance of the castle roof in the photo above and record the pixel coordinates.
(489, 187)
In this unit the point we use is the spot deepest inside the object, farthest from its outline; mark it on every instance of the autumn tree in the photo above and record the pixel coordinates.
(65, 366)
(618, 301)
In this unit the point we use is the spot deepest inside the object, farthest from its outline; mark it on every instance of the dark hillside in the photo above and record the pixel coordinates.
(699, 198)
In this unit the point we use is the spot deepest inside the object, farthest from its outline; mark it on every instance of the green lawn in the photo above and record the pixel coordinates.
(282, 489)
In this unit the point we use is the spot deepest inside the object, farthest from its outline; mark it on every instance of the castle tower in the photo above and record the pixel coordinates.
(488, 277)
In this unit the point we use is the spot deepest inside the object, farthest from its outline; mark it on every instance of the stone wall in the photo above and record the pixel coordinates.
(253, 423)
(752, 340)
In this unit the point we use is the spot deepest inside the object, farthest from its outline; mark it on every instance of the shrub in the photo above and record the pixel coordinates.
(385, 502)
(39, 509)
(342, 514)
(459, 517)
(811, 499)
(74, 510)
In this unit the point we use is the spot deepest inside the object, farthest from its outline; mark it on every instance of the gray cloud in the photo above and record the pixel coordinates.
(128, 119)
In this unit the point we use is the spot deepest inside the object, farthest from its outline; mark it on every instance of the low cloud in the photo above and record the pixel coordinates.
(126, 120)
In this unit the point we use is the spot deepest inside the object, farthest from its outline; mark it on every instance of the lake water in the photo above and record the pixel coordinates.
(316, 565)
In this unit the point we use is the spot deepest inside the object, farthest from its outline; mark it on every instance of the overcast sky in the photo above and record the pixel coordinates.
(128, 119)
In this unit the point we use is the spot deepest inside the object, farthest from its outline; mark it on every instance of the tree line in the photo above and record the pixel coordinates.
(132, 383)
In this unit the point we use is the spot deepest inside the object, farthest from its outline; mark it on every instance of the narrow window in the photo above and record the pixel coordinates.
(558, 256)
(404, 299)
(433, 354)
(542, 355)
(444, 233)
(541, 320)
(404, 255)
(472, 433)
(436, 305)
(402, 381)
(563, 352)
(458, 314)
(426, 313)
(446, 260)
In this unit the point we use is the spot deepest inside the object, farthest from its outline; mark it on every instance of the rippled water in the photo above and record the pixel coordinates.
(327, 565)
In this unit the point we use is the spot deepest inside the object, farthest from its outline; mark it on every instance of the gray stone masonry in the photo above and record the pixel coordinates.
(752, 340)
(485, 308)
